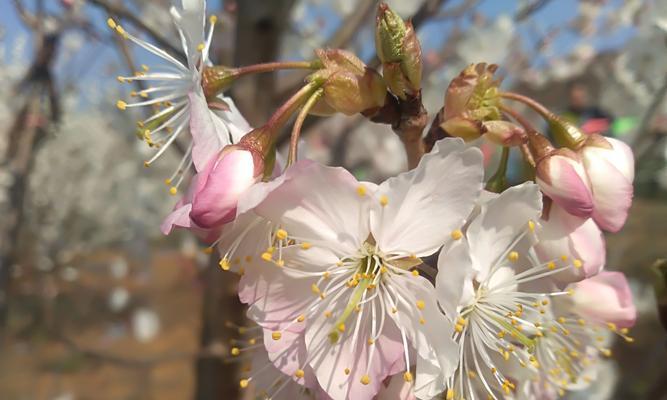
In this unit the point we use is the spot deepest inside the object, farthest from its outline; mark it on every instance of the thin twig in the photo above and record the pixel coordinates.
(125, 14)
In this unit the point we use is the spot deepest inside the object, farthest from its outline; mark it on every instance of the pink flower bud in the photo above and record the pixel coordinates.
(226, 178)
(578, 240)
(609, 164)
(606, 298)
(562, 177)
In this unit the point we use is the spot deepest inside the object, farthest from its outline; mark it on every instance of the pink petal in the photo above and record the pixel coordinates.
(215, 204)
(577, 238)
(564, 181)
(605, 298)
(612, 191)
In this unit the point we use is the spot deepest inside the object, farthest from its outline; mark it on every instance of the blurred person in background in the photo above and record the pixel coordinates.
(584, 113)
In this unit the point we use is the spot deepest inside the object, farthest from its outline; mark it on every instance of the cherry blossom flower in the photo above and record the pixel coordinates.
(484, 285)
(354, 246)
(176, 91)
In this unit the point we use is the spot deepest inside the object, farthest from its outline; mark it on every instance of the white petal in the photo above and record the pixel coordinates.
(331, 360)
(427, 203)
(320, 205)
(190, 20)
(454, 276)
(235, 121)
(428, 330)
(499, 224)
(209, 133)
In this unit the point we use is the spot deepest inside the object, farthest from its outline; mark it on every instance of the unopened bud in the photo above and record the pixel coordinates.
(227, 176)
(471, 101)
(350, 87)
(216, 80)
(562, 177)
(398, 49)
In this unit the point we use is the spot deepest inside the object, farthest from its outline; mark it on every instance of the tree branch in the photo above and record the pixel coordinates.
(125, 14)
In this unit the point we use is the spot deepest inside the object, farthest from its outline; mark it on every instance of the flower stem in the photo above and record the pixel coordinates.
(282, 114)
(276, 66)
(538, 107)
(498, 182)
(298, 124)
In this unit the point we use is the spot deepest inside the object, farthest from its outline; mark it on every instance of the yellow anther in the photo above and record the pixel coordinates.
(501, 334)
(173, 190)
(461, 321)
(301, 318)
(121, 31)
(384, 200)
(450, 394)
(252, 341)
(415, 272)
(120, 79)
(281, 234)
(422, 321)
(201, 46)
(513, 256)
(121, 105)
(341, 327)
(213, 19)
(145, 67)
(244, 383)
(280, 263)
(207, 250)
(276, 335)
(224, 264)
(383, 270)
(420, 304)
(545, 302)
(407, 376)
(561, 320)
(146, 164)
(143, 94)
(611, 326)
(299, 373)
(266, 256)
(551, 265)
(315, 289)
(347, 371)
(327, 314)
(457, 234)
(531, 225)
(361, 190)
(394, 310)
(577, 263)
(370, 342)
(563, 257)
(326, 275)
(365, 380)
(235, 351)
(112, 24)
(306, 245)
(458, 328)
(167, 181)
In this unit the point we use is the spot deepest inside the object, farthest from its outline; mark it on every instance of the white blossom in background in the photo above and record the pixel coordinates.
(145, 324)
(490, 44)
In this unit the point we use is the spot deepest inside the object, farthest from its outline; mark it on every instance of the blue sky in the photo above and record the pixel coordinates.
(556, 13)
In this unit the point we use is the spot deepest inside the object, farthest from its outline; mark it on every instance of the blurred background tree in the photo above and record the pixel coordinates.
(92, 295)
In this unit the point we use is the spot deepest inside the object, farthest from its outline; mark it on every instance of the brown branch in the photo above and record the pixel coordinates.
(31, 21)
(530, 9)
(125, 14)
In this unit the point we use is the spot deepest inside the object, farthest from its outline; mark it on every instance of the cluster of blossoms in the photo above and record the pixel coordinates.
(339, 274)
